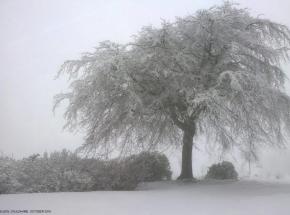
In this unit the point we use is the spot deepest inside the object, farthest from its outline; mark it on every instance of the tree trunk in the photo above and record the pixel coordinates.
(186, 169)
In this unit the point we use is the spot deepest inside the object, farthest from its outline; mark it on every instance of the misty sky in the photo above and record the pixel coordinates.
(36, 36)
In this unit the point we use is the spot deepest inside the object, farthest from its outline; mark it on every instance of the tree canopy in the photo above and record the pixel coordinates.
(217, 72)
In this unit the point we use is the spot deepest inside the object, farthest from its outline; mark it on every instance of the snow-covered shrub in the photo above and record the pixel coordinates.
(76, 180)
(149, 166)
(66, 171)
(97, 171)
(8, 182)
(126, 173)
(223, 170)
(59, 171)
(122, 175)
(30, 174)
(110, 175)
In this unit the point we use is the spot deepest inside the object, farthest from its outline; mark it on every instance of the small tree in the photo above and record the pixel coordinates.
(216, 72)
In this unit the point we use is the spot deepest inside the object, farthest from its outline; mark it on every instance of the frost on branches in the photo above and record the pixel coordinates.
(217, 72)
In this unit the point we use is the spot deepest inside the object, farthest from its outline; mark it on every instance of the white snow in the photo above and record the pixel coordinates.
(201, 198)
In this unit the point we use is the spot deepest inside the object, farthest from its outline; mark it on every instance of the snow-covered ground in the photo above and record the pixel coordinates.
(205, 197)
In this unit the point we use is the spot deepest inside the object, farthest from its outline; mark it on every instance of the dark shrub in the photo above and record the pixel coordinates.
(223, 170)
(125, 174)
(149, 166)
(124, 178)
(111, 175)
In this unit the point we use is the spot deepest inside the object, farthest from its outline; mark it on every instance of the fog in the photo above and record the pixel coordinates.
(37, 36)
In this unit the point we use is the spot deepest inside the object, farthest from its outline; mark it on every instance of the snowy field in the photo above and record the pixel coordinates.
(207, 197)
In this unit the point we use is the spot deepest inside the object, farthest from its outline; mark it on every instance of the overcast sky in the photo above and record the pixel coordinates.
(36, 36)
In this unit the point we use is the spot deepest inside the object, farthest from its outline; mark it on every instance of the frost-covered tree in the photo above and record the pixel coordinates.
(217, 72)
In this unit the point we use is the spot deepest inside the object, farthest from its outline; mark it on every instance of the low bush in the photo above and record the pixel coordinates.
(126, 173)
(8, 181)
(149, 166)
(65, 171)
(110, 175)
(223, 170)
